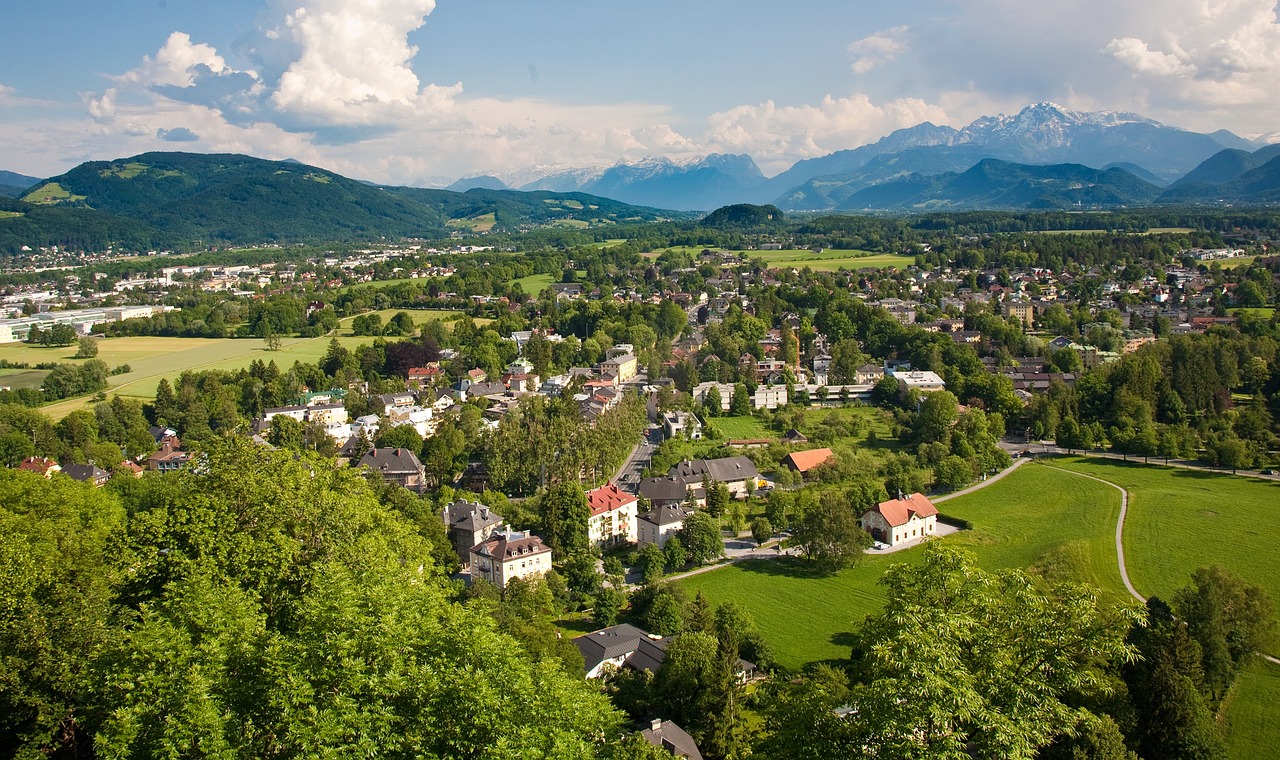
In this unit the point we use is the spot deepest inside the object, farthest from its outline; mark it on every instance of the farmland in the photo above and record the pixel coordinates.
(833, 260)
(153, 358)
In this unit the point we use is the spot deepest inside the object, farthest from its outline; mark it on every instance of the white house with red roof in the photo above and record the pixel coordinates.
(902, 520)
(613, 516)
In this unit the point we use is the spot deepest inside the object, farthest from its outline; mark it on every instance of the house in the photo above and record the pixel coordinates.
(613, 516)
(42, 466)
(795, 436)
(505, 556)
(469, 523)
(620, 646)
(87, 473)
(804, 461)
(1023, 311)
(400, 466)
(734, 472)
(421, 377)
(901, 520)
(663, 492)
(128, 468)
(868, 374)
(658, 524)
(391, 401)
(682, 424)
(667, 735)
(169, 458)
(623, 367)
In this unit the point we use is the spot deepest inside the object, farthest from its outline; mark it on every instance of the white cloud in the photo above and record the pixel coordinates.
(878, 48)
(176, 64)
(776, 136)
(1135, 54)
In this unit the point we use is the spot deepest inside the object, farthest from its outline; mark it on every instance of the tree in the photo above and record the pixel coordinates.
(286, 432)
(712, 403)
(1229, 618)
(761, 530)
(651, 562)
(563, 517)
(701, 538)
(965, 663)
(830, 534)
(675, 554)
(88, 348)
(400, 437)
(938, 412)
(740, 405)
(717, 496)
(61, 335)
(953, 473)
(1165, 686)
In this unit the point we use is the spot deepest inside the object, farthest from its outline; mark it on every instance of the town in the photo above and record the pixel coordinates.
(606, 445)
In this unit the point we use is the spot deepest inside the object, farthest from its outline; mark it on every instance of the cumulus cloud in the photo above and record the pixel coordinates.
(1135, 54)
(353, 66)
(881, 47)
(178, 134)
(176, 63)
(778, 135)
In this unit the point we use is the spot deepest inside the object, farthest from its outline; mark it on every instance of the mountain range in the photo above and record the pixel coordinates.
(12, 184)
(157, 199)
(1044, 134)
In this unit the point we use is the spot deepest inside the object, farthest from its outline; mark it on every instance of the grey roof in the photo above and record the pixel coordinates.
(641, 652)
(666, 515)
(85, 472)
(726, 470)
(392, 461)
(663, 489)
(672, 738)
(471, 516)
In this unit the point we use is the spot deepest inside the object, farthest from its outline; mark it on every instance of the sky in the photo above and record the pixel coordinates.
(423, 91)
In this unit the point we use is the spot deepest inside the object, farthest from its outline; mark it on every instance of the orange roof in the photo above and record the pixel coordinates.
(899, 511)
(607, 498)
(803, 461)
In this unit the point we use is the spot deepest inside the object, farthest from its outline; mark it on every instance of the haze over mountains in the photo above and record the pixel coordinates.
(1041, 134)
(1044, 157)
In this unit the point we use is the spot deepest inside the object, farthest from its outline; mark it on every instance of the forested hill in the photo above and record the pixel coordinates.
(184, 198)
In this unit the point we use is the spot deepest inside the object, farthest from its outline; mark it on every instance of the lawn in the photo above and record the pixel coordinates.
(1253, 722)
(1052, 521)
(869, 419)
(420, 317)
(740, 428)
(1180, 520)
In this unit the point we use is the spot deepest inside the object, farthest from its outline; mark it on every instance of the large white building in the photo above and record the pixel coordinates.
(918, 380)
(902, 520)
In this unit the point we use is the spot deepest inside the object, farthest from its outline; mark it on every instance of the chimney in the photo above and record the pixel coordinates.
(656, 724)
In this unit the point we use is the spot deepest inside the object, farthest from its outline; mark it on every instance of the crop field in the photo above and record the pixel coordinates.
(1181, 519)
(22, 378)
(1056, 524)
(832, 260)
(739, 428)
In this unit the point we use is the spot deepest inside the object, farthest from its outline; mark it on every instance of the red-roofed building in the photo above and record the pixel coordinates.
(421, 377)
(804, 461)
(42, 466)
(613, 516)
(902, 520)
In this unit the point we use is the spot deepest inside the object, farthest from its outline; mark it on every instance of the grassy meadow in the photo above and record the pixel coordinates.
(1249, 713)
(1181, 519)
(740, 428)
(22, 378)
(1055, 523)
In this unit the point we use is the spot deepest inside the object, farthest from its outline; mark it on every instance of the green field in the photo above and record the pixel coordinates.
(535, 283)
(1265, 313)
(1054, 522)
(1181, 519)
(480, 223)
(833, 260)
(1252, 717)
(22, 378)
(51, 192)
(10, 214)
(740, 428)
(420, 317)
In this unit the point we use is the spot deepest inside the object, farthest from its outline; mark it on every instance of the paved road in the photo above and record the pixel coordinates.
(983, 484)
(1036, 448)
(628, 475)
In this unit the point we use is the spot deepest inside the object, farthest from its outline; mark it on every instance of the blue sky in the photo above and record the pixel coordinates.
(421, 91)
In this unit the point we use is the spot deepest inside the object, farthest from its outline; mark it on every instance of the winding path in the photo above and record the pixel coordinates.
(1124, 509)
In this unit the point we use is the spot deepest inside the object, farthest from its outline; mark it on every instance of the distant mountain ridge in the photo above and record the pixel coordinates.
(1044, 133)
(995, 184)
(166, 198)
(12, 184)
(1230, 176)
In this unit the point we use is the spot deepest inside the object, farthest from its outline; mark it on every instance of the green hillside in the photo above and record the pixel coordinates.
(185, 198)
